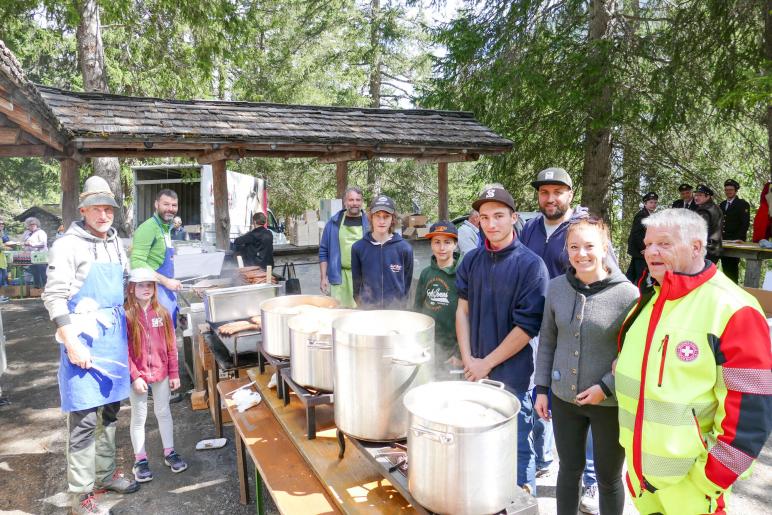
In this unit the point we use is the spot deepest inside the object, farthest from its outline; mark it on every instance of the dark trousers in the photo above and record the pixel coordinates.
(571, 423)
(39, 275)
(731, 268)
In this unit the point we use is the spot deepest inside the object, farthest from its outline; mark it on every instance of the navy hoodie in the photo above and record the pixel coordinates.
(381, 272)
(505, 289)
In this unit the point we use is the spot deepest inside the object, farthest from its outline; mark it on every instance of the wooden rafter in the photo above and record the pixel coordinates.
(27, 122)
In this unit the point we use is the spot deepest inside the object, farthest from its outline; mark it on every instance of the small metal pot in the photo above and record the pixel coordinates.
(462, 446)
(379, 356)
(276, 313)
(311, 360)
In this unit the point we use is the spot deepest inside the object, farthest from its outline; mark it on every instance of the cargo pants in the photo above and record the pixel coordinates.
(91, 446)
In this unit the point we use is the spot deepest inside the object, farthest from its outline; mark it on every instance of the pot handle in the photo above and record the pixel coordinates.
(431, 434)
(491, 382)
(424, 358)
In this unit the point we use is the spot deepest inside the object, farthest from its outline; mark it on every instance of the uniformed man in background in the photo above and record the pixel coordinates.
(687, 198)
(713, 216)
(737, 220)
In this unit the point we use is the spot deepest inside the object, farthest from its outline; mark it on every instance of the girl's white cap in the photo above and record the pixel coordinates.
(142, 275)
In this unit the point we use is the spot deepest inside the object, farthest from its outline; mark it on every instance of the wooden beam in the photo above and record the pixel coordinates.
(25, 151)
(217, 155)
(140, 154)
(442, 190)
(337, 157)
(9, 136)
(341, 177)
(455, 158)
(69, 180)
(27, 122)
(222, 222)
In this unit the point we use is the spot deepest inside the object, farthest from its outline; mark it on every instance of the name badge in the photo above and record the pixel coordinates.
(157, 322)
(168, 240)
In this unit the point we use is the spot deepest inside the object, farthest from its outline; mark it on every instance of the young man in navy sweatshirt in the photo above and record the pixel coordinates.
(501, 288)
(382, 262)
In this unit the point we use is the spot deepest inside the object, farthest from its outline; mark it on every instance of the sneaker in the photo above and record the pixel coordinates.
(543, 472)
(142, 472)
(87, 504)
(589, 502)
(4, 299)
(118, 483)
(175, 462)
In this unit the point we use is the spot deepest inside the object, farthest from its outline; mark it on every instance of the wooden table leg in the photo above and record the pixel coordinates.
(259, 493)
(241, 468)
(752, 273)
(214, 374)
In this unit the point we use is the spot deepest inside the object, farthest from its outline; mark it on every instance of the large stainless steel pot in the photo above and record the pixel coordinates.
(462, 446)
(311, 361)
(276, 313)
(379, 356)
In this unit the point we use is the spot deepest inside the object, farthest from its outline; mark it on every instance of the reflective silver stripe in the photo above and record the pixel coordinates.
(674, 413)
(626, 419)
(662, 466)
(627, 386)
(748, 380)
(732, 458)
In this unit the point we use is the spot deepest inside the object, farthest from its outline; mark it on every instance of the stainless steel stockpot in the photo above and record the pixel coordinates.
(379, 356)
(462, 446)
(275, 314)
(311, 360)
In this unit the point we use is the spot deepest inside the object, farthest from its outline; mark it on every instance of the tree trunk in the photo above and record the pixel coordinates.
(373, 185)
(596, 191)
(222, 219)
(69, 182)
(768, 57)
(92, 66)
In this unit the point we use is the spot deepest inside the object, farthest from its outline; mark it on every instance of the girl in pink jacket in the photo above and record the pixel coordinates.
(153, 364)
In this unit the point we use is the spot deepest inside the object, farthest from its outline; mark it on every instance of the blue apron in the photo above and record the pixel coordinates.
(108, 380)
(166, 297)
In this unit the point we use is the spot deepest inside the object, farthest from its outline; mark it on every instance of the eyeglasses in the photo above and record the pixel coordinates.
(590, 219)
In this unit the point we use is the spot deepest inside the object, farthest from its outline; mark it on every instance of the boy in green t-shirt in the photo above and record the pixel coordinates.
(436, 295)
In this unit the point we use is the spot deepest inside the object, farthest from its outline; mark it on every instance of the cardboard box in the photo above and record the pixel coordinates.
(421, 232)
(312, 235)
(11, 291)
(764, 297)
(409, 232)
(328, 207)
(415, 220)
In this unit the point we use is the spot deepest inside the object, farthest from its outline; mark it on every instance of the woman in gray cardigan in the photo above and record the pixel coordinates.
(583, 312)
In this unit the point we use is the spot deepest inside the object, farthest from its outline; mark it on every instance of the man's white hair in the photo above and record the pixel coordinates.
(687, 224)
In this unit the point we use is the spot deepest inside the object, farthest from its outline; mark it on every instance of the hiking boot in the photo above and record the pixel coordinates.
(86, 504)
(118, 483)
(589, 501)
(142, 472)
(175, 462)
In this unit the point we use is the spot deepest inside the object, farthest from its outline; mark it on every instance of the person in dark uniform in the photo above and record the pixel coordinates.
(687, 198)
(256, 246)
(737, 220)
(635, 244)
(711, 213)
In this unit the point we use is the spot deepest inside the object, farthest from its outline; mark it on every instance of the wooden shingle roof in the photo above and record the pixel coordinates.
(93, 119)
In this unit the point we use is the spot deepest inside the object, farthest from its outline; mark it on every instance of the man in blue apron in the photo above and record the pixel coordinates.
(84, 298)
(151, 247)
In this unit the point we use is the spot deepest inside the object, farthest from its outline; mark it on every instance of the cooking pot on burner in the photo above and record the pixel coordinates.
(276, 313)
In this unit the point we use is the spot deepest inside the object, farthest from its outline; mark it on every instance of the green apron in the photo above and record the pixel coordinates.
(344, 292)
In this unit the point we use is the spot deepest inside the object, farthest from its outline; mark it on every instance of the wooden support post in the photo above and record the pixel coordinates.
(341, 175)
(222, 222)
(442, 190)
(69, 179)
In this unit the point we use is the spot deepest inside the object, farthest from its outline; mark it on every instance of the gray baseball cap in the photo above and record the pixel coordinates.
(553, 176)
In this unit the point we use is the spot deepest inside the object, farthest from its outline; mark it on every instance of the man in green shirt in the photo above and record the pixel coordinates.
(152, 248)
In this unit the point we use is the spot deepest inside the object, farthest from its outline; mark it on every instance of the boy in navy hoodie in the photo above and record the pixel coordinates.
(501, 288)
(382, 262)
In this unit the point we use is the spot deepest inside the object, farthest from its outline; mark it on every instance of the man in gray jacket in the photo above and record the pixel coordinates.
(469, 233)
(84, 298)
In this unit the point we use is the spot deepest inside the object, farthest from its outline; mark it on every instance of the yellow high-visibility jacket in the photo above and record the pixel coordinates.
(697, 351)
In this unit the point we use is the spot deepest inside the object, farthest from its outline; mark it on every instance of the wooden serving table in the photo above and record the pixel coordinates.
(278, 464)
(354, 484)
(753, 254)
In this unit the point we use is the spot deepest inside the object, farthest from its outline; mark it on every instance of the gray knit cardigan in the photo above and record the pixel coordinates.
(578, 338)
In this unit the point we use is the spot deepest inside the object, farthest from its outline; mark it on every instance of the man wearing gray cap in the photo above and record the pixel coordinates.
(84, 298)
